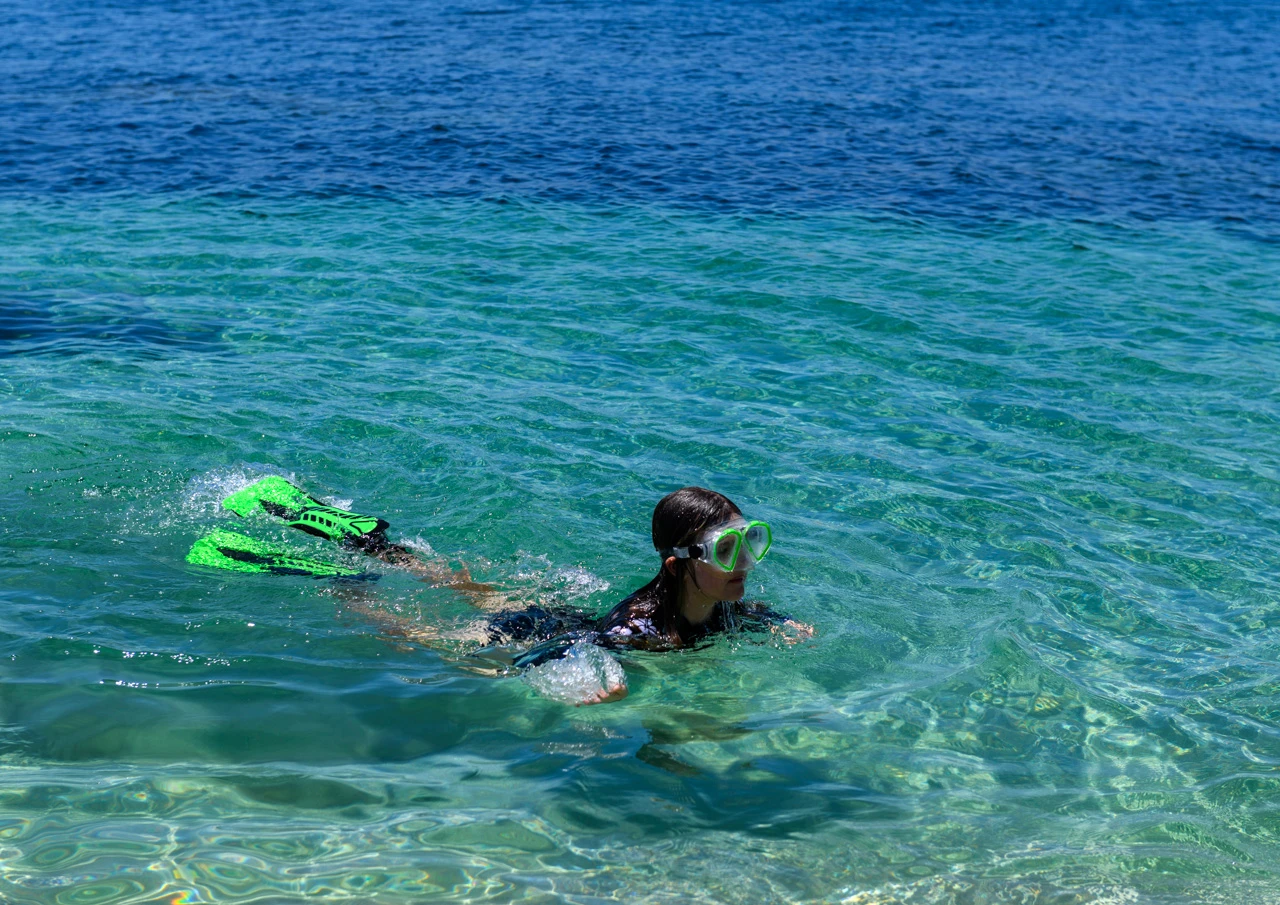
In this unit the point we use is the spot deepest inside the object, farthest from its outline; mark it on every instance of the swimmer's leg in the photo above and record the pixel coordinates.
(367, 605)
(439, 574)
(277, 497)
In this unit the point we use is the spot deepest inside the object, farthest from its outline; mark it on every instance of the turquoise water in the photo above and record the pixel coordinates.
(1023, 482)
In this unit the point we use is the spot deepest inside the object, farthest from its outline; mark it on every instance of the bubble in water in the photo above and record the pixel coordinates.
(530, 567)
(582, 674)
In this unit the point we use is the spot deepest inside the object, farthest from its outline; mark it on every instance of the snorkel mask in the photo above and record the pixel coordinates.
(725, 544)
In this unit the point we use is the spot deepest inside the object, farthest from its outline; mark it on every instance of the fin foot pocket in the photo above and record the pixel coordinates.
(277, 497)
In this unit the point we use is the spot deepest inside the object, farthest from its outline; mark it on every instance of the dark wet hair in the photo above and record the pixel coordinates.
(681, 516)
(678, 519)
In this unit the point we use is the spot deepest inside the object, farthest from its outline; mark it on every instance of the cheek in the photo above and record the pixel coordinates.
(709, 578)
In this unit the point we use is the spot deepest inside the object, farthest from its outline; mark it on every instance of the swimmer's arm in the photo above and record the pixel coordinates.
(556, 648)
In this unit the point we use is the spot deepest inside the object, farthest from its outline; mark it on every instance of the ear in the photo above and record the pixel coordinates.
(669, 565)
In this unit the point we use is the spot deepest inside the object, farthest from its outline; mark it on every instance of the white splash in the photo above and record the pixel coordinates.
(576, 582)
(206, 492)
(583, 674)
(418, 545)
(559, 583)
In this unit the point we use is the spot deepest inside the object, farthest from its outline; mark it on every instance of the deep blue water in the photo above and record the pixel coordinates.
(1101, 110)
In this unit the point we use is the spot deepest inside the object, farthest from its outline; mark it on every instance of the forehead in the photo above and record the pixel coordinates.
(736, 522)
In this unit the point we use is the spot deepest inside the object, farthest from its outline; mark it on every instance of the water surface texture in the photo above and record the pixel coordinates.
(977, 306)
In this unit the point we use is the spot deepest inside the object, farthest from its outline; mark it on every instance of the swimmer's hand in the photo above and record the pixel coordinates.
(615, 692)
(586, 674)
(793, 632)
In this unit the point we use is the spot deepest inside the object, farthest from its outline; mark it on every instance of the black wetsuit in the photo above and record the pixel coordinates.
(640, 622)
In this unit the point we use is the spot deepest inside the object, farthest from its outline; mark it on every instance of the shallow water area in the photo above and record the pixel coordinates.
(1021, 481)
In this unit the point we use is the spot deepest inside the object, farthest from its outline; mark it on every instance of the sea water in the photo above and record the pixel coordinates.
(976, 304)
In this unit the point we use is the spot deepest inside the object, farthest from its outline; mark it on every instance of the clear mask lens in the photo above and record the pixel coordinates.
(758, 540)
(725, 551)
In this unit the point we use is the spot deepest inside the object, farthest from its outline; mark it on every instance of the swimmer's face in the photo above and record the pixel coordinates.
(719, 585)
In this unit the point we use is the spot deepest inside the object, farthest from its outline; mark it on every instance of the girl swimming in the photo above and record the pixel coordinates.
(706, 546)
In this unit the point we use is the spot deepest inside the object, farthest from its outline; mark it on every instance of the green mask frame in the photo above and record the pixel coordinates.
(722, 546)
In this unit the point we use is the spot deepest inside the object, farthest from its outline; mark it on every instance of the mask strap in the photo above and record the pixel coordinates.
(692, 573)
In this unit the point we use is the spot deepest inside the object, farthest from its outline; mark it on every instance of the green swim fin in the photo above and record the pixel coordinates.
(278, 497)
(237, 553)
(271, 491)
